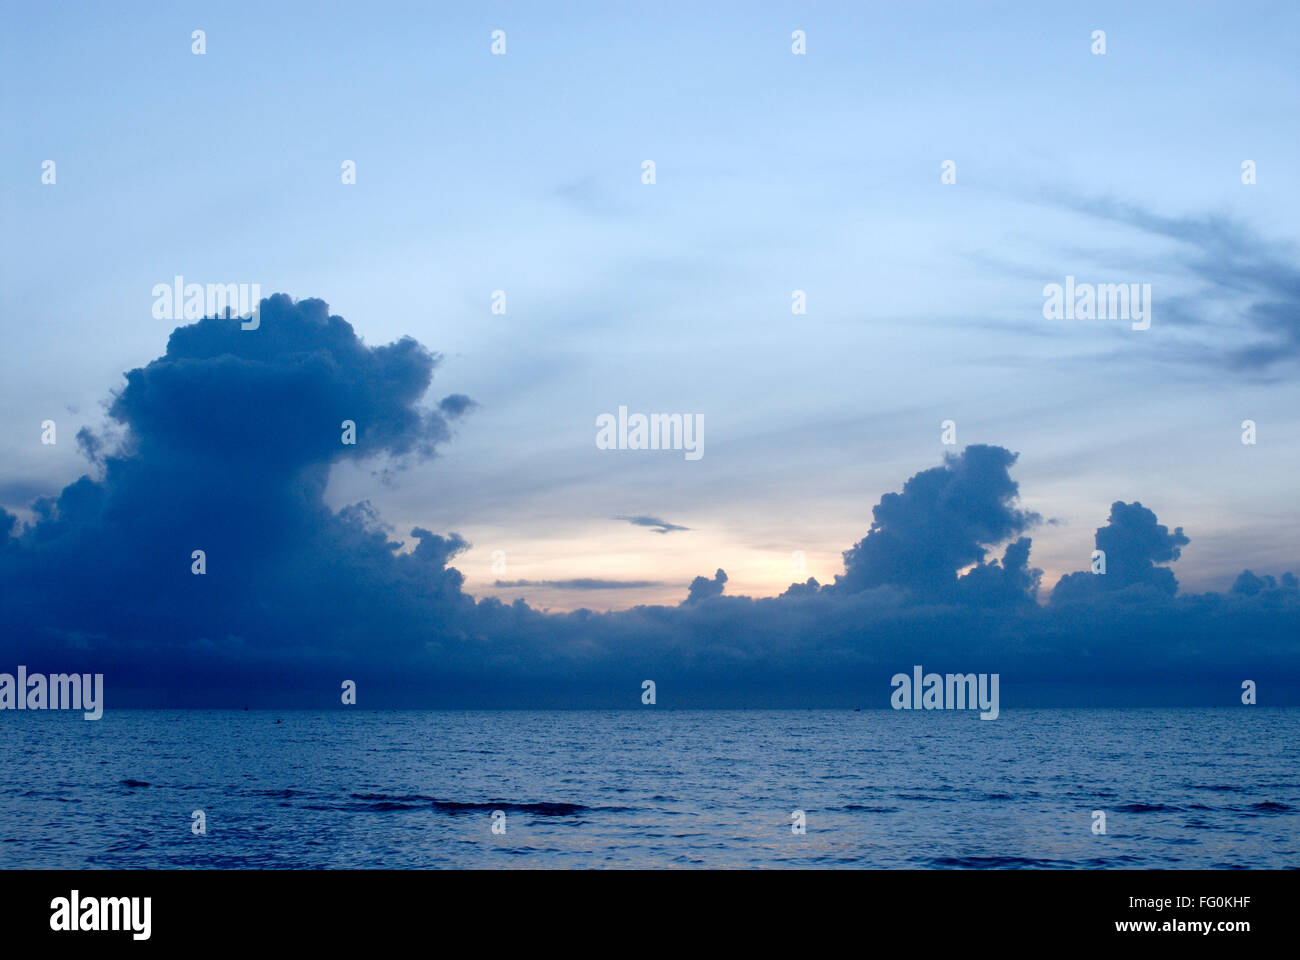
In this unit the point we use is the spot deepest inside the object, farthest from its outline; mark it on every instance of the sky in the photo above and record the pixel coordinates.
(775, 172)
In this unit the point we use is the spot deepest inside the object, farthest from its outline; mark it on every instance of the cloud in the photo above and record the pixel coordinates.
(227, 440)
(1011, 581)
(224, 444)
(661, 526)
(455, 404)
(1132, 543)
(580, 583)
(1248, 301)
(1247, 584)
(944, 520)
(702, 588)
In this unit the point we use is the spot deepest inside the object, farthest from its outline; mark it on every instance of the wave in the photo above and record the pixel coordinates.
(994, 863)
(923, 796)
(382, 802)
(1271, 806)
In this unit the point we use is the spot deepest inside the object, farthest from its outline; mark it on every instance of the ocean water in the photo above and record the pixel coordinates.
(1216, 788)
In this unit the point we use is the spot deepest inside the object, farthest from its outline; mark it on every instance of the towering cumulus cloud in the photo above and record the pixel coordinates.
(217, 457)
(1131, 545)
(944, 520)
(227, 442)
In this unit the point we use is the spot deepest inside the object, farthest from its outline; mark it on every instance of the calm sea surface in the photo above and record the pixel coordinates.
(651, 788)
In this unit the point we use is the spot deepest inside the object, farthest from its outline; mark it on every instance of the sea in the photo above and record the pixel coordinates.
(651, 788)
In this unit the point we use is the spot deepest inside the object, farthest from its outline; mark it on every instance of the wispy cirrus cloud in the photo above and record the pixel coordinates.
(659, 526)
(579, 583)
(1245, 306)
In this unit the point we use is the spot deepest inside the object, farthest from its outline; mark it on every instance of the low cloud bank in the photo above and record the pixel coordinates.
(224, 444)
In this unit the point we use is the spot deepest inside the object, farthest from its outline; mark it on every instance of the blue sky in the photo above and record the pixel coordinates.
(775, 172)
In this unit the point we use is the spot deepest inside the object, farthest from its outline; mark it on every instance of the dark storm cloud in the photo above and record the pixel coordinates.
(659, 526)
(1005, 582)
(225, 445)
(228, 439)
(275, 398)
(1132, 543)
(942, 521)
